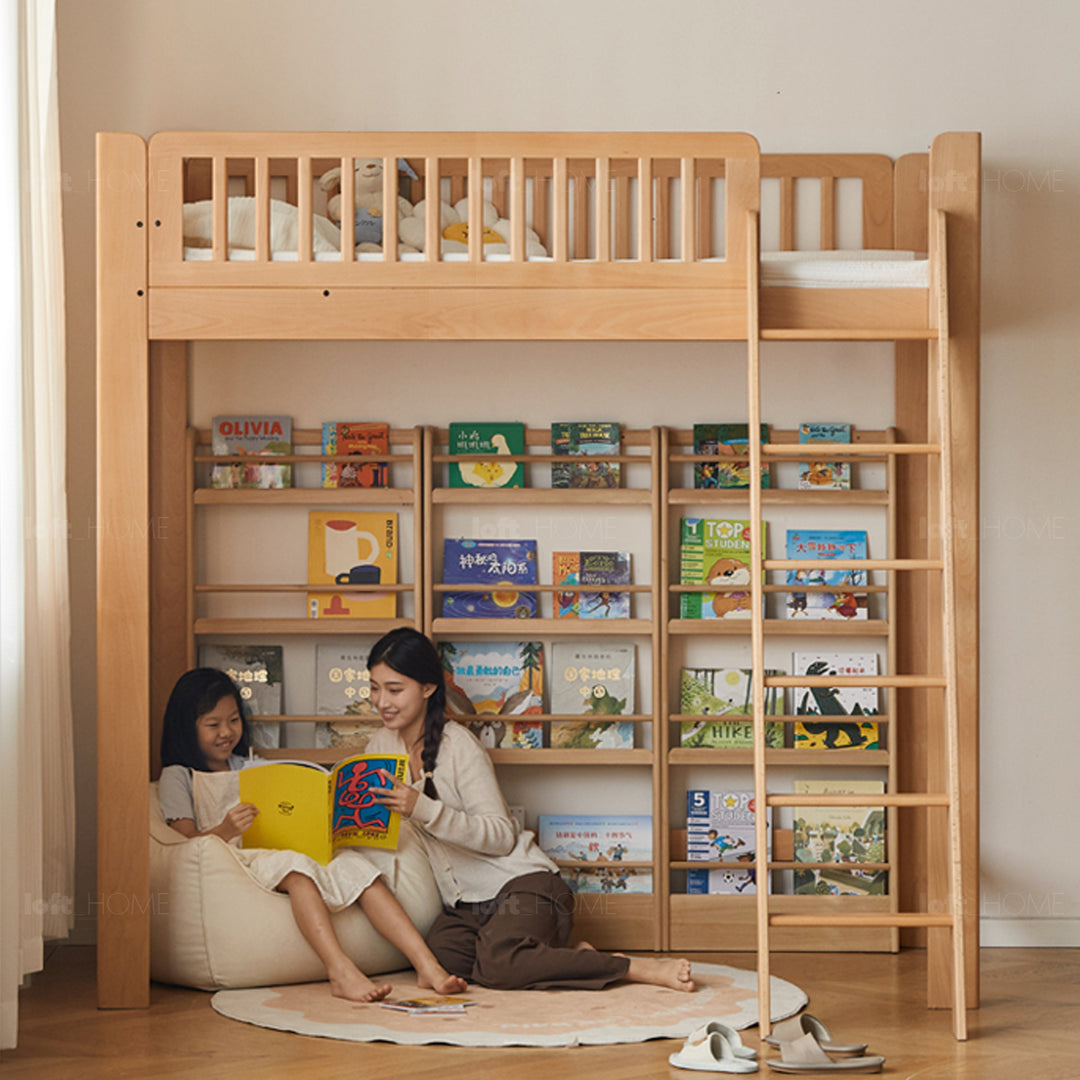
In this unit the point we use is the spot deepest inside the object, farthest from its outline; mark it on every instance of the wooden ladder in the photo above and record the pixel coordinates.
(940, 403)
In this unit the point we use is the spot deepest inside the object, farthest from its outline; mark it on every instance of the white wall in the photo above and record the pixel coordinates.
(840, 76)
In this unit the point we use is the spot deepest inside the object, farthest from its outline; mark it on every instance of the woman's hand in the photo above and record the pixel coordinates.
(400, 797)
(237, 821)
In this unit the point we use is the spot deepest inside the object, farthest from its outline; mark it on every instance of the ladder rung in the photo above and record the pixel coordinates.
(852, 564)
(895, 919)
(910, 799)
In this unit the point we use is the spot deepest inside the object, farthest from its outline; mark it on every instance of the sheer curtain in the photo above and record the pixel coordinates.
(37, 799)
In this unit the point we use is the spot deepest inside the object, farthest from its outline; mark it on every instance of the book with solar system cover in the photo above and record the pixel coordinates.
(497, 564)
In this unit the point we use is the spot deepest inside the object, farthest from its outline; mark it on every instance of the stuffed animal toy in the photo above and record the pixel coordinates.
(454, 230)
(368, 188)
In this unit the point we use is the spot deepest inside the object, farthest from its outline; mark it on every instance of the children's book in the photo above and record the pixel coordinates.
(828, 704)
(494, 681)
(304, 807)
(604, 839)
(585, 440)
(599, 568)
(498, 564)
(343, 688)
(730, 440)
(716, 552)
(842, 605)
(358, 439)
(845, 835)
(726, 694)
(720, 828)
(255, 437)
(257, 671)
(595, 681)
(440, 1005)
(347, 547)
(824, 475)
(499, 440)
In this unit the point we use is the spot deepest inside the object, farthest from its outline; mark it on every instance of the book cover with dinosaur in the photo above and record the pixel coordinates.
(488, 683)
(824, 475)
(720, 827)
(599, 568)
(609, 841)
(842, 605)
(826, 702)
(500, 440)
(596, 682)
(721, 700)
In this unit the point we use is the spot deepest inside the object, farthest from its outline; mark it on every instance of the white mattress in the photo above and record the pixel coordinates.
(866, 269)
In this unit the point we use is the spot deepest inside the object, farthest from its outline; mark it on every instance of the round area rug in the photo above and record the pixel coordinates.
(624, 1013)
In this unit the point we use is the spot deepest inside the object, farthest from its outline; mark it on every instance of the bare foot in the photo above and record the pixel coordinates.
(585, 945)
(437, 978)
(354, 985)
(673, 972)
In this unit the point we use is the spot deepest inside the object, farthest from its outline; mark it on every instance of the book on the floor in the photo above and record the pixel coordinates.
(837, 711)
(720, 827)
(597, 682)
(343, 689)
(824, 475)
(317, 811)
(361, 440)
(814, 544)
(584, 440)
(489, 683)
(257, 671)
(499, 565)
(722, 701)
(349, 547)
(500, 440)
(716, 552)
(254, 438)
(597, 568)
(730, 440)
(604, 839)
(440, 1005)
(845, 835)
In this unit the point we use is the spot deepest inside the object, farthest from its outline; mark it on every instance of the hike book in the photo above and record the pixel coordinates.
(490, 682)
(720, 827)
(497, 564)
(824, 475)
(731, 440)
(599, 568)
(352, 548)
(343, 689)
(497, 439)
(316, 811)
(597, 682)
(845, 835)
(360, 439)
(716, 552)
(257, 671)
(585, 440)
(604, 839)
(726, 694)
(837, 710)
(841, 605)
(257, 438)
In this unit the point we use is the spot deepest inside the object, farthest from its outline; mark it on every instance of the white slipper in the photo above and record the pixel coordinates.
(713, 1054)
(729, 1033)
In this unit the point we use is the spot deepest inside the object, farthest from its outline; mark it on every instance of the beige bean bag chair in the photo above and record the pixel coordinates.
(214, 927)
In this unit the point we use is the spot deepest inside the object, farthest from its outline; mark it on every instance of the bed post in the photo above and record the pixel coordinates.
(123, 524)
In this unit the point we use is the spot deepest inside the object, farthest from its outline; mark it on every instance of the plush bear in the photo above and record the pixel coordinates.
(368, 188)
(454, 230)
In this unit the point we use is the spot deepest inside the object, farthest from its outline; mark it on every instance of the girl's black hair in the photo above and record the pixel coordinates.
(196, 693)
(410, 653)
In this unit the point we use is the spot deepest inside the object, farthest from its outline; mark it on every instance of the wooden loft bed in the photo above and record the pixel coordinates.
(648, 236)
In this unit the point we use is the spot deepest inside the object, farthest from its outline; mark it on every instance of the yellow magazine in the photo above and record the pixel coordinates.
(307, 808)
(352, 548)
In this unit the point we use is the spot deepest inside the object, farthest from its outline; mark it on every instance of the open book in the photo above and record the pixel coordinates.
(317, 811)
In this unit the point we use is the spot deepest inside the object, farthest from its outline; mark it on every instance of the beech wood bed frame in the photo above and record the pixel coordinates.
(630, 222)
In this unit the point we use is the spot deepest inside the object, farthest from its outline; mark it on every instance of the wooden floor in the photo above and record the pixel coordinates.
(1029, 1026)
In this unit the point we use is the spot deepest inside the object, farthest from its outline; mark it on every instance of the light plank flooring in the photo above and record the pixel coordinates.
(1028, 1026)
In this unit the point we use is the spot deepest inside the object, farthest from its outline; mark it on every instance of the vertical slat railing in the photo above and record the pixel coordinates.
(645, 210)
(560, 210)
(581, 216)
(431, 205)
(517, 209)
(704, 187)
(787, 213)
(828, 213)
(603, 209)
(262, 208)
(220, 212)
(303, 209)
(347, 206)
(476, 209)
(389, 209)
(622, 216)
(688, 211)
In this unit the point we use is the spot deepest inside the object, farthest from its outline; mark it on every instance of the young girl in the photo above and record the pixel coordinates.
(205, 730)
(507, 914)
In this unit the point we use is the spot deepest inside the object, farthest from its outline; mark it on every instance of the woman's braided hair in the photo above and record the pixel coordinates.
(410, 653)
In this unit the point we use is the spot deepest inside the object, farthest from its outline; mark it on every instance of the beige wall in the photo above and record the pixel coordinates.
(838, 76)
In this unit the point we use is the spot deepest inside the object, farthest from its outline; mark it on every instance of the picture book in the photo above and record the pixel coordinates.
(440, 1005)
(343, 688)
(726, 694)
(499, 440)
(845, 835)
(841, 605)
(599, 568)
(595, 681)
(720, 828)
(497, 564)
(824, 475)
(730, 440)
(358, 439)
(716, 552)
(585, 440)
(347, 547)
(604, 839)
(304, 807)
(826, 702)
(257, 671)
(493, 681)
(255, 437)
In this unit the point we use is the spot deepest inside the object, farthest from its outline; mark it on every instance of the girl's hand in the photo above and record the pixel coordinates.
(400, 798)
(237, 821)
